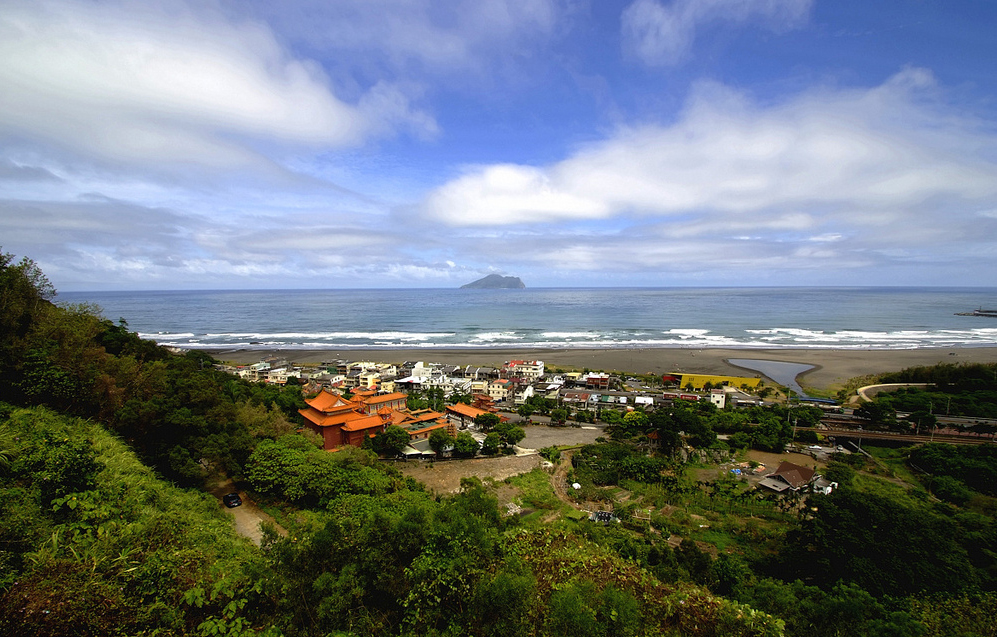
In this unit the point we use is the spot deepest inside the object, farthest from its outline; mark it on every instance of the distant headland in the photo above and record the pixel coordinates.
(496, 282)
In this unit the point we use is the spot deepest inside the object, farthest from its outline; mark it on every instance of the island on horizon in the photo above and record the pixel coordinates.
(495, 282)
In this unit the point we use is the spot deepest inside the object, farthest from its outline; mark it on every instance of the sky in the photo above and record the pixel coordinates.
(228, 144)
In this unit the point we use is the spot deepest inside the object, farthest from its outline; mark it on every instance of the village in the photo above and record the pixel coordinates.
(349, 402)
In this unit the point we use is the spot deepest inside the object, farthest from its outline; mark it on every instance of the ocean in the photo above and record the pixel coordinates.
(746, 318)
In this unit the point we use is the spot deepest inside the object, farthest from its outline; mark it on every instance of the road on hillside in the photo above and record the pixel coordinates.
(247, 517)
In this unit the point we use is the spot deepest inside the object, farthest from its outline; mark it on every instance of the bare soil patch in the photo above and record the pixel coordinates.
(444, 477)
(772, 460)
(540, 436)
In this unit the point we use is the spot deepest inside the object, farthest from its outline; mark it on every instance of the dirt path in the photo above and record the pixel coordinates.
(559, 479)
(247, 517)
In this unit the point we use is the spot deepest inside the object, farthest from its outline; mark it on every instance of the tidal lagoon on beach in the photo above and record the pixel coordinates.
(831, 369)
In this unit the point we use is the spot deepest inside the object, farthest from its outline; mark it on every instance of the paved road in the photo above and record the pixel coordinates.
(866, 393)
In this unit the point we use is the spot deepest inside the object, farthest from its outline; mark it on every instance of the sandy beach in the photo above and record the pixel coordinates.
(832, 367)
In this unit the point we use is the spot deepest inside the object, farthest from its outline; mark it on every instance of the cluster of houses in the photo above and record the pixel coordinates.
(513, 383)
(354, 400)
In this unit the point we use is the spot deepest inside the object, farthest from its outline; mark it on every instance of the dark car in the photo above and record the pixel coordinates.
(232, 500)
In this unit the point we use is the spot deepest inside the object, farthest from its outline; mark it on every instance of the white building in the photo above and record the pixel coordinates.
(524, 394)
(528, 370)
(718, 398)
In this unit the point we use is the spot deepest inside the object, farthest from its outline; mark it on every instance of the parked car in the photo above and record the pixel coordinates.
(232, 500)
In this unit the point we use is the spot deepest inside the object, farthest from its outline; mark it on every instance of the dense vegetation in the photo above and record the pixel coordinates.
(180, 414)
(954, 390)
(95, 542)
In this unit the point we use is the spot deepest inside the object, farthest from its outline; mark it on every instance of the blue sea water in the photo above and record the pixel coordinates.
(748, 318)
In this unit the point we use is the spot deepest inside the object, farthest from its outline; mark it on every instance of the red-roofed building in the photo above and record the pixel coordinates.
(462, 415)
(789, 476)
(341, 421)
(484, 402)
(327, 413)
(373, 403)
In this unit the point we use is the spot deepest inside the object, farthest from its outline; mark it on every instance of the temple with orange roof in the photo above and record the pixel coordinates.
(344, 421)
(461, 415)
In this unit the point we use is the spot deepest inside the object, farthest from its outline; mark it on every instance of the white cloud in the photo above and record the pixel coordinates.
(828, 157)
(158, 84)
(660, 34)
(503, 194)
(829, 180)
(433, 35)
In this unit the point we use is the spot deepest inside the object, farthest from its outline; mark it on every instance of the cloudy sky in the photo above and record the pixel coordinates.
(159, 144)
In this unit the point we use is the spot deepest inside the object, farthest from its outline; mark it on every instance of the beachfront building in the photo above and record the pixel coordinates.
(480, 373)
(477, 386)
(550, 390)
(595, 380)
(527, 370)
(575, 397)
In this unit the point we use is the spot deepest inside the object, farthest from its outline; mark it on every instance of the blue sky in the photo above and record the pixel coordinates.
(159, 144)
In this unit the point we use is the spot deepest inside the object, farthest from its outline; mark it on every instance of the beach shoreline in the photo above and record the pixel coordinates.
(832, 367)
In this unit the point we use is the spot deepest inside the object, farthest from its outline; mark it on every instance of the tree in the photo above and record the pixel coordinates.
(391, 441)
(24, 291)
(509, 434)
(558, 416)
(610, 416)
(487, 422)
(886, 545)
(633, 423)
(839, 472)
(569, 614)
(439, 441)
(491, 444)
(879, 412)
(465, 445)
(923, 420)
(503, 602)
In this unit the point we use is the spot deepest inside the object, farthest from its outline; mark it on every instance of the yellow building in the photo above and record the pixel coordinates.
(698, 381)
